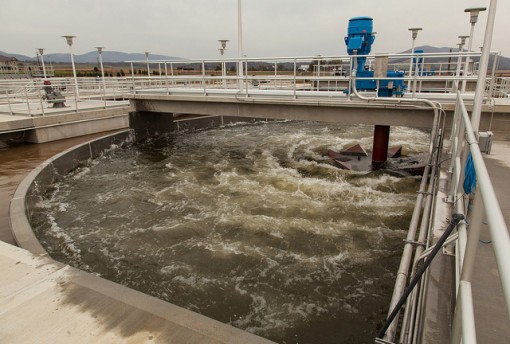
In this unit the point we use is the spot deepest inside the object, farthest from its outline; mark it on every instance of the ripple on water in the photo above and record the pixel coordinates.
(249, 224)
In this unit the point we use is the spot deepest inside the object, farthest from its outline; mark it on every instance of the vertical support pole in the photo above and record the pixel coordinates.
(166, 79)
(9, 102)
(380, 145)
(239, 45)
(295, 72)
(484, 63)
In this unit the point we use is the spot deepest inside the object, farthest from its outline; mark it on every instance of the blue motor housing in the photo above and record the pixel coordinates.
(359, 40)
(387, 88)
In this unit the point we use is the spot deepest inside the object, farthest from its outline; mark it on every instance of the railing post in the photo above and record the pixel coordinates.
(295, 72)
(28, 103)
(9, 102)
(133, 78)
(203, 78)
(166, 79)
(41, 102)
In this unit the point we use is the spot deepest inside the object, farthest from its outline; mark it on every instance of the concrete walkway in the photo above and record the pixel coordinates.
(492, 322)
(42, 301)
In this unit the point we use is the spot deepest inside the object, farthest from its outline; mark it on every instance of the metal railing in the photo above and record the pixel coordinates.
(444, 71)
(39, 97)
(484, 206)
(272, 77)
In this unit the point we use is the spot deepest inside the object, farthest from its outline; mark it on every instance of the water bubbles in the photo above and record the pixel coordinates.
(249, 224)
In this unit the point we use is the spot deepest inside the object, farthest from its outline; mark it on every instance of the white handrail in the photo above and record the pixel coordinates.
(485, 203)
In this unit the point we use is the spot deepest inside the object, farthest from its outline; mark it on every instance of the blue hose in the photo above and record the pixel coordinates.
(469, 176)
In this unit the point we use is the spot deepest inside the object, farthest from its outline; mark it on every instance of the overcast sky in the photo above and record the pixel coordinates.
(191, 28)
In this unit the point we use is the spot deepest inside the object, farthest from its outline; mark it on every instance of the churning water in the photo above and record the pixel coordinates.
(249, 224)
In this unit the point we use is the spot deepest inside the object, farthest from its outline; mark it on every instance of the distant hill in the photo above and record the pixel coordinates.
(504, 62)
(117, 56)
(91, 57)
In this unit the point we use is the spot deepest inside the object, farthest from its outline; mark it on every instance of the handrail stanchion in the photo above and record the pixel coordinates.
(28, 103)
(40, 101)
(295, 72)
(166, 79)
(133, 77)
(203, 78)
(9, 102)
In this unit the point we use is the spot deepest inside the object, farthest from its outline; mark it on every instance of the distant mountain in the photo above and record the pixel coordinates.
(503, 64)
(92, 57)
(17, 56)
(117, 56)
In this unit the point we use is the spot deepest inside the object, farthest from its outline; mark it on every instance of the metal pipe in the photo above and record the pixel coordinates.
(405, 262)
(456, 218)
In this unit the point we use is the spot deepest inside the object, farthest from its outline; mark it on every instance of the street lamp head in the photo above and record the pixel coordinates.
(69, 40)
(41, 51)
(463, 39)
(147, 54)
(474, 11)
(414, 31)
(99, 50)
(223, 43)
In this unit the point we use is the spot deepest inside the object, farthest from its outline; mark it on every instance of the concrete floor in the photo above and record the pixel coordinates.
(491, 316)
(42, 301)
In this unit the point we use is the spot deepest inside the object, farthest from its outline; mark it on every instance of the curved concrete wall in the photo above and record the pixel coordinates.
(31, 189)
(124, 315)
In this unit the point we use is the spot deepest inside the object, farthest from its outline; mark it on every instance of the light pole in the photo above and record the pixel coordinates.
(473, 18)
(484, 64)
(69, 40)
(41, 52)
(100, 52)
(223, 43)
(147, 59)
(459, 61)
(414, 32)
(240, 44)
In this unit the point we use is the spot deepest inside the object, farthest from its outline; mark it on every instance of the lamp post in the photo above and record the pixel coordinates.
(147, 59)
(223, 43)
(484, 64)
(473, 18)
(100, 52)
(414, 33)
(41, 52)
(459, 61)
(240, 44)
(69, 40)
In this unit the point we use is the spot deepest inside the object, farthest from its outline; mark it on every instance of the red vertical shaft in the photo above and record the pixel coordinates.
(380, 147)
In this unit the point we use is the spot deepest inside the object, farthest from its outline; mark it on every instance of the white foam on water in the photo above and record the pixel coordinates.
(286, 223)
(80, 173)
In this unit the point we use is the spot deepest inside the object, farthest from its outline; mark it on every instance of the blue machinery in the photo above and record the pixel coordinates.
(359, 40)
